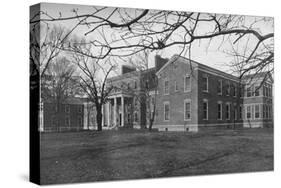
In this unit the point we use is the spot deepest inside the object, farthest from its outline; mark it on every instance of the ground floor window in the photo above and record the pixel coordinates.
(80, 121)
(205, 110)
(166, 111)
(187, 110)
(240, 111)
(257, 111)
(227, 111)
(248, 112)
(136, 117)
(219, 111)
(67, 121)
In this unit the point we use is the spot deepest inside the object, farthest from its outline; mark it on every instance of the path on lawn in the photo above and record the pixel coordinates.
(117, 155)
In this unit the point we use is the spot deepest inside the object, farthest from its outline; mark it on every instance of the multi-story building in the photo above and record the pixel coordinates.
(188, 96)
(180, 94)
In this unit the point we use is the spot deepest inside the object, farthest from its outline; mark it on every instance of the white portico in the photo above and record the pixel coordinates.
(117, 111)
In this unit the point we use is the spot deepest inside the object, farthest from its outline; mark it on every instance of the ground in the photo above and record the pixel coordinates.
(116, 155)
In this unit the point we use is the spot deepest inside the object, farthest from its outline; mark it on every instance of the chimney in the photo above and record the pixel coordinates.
(160, 62)
(125, 69)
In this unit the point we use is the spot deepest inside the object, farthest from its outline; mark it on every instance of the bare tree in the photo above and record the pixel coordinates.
(149, 84)
(59, 82)
(91, 70)
(135, 30)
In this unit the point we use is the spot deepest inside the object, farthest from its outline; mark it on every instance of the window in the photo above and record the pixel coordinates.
(166, 111)
(228, 89)
(187, 110)
(234, 90)
(269, 111)
(219, 87)
(128, 86)
(266, 111)
(219, 111)
(249, 92)
(67, 108)
(187, 83)
(146, 84)
(205, 83)
(67, 121)
(227, 111)
(241, 91)
(240, 111)
(166, 86)
(248, 112)
(257, 111)
(270, 91)
(136, 85)
(257, 91)
(205, 110)
(80, 121)
(80, 108)
(176, 86)
(136, 117)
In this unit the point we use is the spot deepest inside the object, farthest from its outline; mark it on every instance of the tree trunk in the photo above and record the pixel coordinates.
(99, 118)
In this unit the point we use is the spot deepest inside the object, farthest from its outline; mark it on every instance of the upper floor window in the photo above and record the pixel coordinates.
(187, 109)
(241, 91)
(176, 86)
(166, 111)
(249, 91)
(257, 91)
(205, 83)
(228, 89)
(219, 87)
(234, 90)
(205, 109)
(187, 84)
(166, 86)
(136, 85)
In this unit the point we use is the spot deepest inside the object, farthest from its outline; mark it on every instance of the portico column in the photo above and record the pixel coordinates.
(115, 111)
(102, 112)
(123, 111)
(108, 113)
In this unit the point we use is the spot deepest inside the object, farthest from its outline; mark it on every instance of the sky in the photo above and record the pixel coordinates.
(202, 51)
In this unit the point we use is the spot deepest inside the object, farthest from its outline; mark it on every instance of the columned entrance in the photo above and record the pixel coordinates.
(116, 111)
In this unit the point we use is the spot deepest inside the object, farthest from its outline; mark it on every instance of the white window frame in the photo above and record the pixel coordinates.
(206, 101)
(176, 86)
(220, 82)
(220, 103)
(166, 80)
(246, 111)
(184, 109)
(256, 112)
(228, 90)
(187, 89)
(235, 90)
(164, 111)
(228, 111)
(207, 90)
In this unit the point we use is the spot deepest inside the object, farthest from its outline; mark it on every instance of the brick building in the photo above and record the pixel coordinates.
(189, 96)
(74, 114)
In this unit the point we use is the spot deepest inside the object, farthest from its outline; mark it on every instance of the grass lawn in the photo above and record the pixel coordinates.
(117, 155)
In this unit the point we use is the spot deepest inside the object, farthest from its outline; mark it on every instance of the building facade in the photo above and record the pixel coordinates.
(189, 96)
